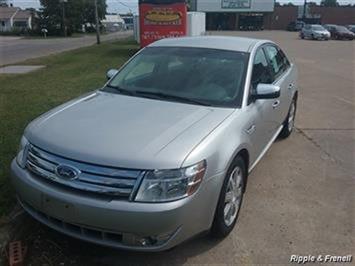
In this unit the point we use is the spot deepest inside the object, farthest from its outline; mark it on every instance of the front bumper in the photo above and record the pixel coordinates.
(322, 36)
(117, 223)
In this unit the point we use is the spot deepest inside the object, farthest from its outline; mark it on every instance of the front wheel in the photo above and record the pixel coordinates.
(289, 122)
(230, 199)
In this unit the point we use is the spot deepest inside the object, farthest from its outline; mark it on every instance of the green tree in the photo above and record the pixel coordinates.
(312, 4)
(88, 10)
(77, 14)
(329, 3)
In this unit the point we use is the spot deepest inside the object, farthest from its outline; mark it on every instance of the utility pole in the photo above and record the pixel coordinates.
(304, 10)
(98, 41)
(130, 10)
(63, 14)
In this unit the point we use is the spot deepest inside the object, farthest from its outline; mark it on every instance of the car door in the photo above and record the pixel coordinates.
(284, 77)
(332, 31)
(260, 126)
(307, 31)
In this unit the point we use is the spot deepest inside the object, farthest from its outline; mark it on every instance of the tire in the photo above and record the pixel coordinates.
(224, 224)
(302, 36)
(289, 122)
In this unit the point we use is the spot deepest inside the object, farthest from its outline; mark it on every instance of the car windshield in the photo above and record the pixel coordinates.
(191, 75)
(342, 29)
(318, 27)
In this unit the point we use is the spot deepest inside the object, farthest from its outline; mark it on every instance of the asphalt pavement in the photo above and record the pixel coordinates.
(300, 197)
(15, 49)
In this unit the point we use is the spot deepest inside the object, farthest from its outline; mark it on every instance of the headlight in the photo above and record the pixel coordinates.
(21, 157)
(169, 185)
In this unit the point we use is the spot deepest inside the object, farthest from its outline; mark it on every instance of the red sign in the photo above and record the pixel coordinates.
(161, 20)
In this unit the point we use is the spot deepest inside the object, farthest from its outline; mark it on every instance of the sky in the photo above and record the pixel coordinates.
(125, 6)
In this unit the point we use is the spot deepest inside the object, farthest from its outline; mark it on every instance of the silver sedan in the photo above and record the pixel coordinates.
(315, 32)
(163, 150)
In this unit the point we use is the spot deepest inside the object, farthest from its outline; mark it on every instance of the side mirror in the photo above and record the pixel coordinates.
(266, 91)
(111, 73)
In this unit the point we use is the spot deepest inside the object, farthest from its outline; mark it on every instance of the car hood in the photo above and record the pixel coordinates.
(348, 33)
(124, 131)
(321, 32)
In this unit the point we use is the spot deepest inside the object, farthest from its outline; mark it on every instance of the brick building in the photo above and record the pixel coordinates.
(283, 15)
(263, 14)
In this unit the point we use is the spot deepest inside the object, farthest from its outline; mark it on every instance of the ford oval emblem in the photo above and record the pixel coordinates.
(67, 172)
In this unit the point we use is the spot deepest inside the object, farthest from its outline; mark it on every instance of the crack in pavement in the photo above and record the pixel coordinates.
(315, 143)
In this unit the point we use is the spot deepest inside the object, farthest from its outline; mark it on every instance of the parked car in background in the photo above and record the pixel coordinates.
(314, 32)
(295, 26)
(329, 27)
(163, 150)
(351, 28)
(340, 32)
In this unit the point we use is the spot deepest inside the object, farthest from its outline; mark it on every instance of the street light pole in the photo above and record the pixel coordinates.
(98, 41)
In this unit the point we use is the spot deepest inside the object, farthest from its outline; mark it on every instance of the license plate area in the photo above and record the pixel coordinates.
(58, 209)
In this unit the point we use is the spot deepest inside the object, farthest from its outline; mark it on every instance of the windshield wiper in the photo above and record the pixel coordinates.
(121, 91)
(159, 95)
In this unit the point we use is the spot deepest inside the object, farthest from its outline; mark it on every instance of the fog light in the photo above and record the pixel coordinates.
(143, 242)
(147, 241)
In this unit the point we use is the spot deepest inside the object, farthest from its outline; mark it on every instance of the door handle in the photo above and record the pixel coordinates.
(251, 129)
(276, 104)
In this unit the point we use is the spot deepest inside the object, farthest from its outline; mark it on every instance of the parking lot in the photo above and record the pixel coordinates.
(300, 197)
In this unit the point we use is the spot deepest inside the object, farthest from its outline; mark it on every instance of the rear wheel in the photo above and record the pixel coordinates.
(289, 122)
(230, 199)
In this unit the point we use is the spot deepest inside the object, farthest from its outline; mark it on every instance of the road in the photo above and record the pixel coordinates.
(15, 49)
(300, 197)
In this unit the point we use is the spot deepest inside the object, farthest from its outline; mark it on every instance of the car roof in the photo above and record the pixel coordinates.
(239, 44)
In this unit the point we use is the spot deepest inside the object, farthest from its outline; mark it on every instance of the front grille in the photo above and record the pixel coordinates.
(92, 178)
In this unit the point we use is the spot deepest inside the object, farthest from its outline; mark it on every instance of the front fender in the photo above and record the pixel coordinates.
(222, 145)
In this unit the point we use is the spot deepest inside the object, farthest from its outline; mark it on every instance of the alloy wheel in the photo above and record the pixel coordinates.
(233, 196)
(291, 117)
